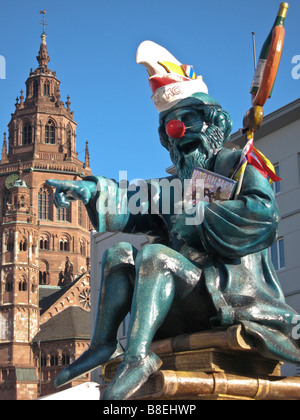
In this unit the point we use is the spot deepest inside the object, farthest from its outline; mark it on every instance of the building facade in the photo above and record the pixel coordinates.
(45, 252)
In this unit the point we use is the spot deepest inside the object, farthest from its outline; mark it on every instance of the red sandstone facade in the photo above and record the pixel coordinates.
(36, 238)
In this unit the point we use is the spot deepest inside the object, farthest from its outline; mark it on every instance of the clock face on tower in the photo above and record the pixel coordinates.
(10, 180)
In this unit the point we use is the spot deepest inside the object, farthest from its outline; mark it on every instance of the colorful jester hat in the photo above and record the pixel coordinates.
(170, 81)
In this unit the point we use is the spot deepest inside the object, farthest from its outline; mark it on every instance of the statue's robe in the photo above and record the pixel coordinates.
(231, 245)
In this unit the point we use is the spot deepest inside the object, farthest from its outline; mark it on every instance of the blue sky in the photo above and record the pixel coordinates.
(92, 46)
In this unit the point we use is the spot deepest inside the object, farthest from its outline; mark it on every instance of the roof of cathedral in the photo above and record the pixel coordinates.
(72, 323)
(48, 295)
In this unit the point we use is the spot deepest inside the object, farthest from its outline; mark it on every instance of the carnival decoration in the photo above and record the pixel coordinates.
(261, 90)
(170, 81)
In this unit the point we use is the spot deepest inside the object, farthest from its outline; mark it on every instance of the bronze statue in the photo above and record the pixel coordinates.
(197, 272)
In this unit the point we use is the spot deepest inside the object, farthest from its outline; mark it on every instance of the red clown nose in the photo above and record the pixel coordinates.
(175, 129)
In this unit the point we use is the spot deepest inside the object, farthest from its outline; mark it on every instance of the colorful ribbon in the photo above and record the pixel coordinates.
(256, 159)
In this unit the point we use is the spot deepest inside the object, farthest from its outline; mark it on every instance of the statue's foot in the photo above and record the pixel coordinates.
(94, 357)
(130, 377)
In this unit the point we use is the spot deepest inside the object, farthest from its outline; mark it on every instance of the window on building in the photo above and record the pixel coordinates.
(54, 361)
(10, 245)
(276, 185)
(47, 89)
(44, 243)
(8, 287)
(63, 214)
(65, 359)
(50, 132)
(43, 361)
(44, 204)
(9, 283)
(23, 245)
(27, 134)
(43, 278)
(64, 244)
(44, 272)
(35, 89)
(277, 252)
(69, 141)
(22, 284)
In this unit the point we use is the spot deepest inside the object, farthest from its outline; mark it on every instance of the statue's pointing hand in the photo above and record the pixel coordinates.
(67, 191)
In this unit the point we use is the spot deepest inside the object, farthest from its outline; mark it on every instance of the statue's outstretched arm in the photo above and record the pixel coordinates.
(67, 191)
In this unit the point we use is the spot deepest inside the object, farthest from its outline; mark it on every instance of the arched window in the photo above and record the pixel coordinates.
(69, 141)
(44, 242)
(43, 278)
(8, 287)
(9, 283)
(44, 204)
(65, 359)
(47, 88)
(43, 361)
(27, 134)
(50, 132)
(43, 272)
(64, 244)
(22, 284)
(10, 244)
(53, 361)
(23, 245)
(35, 89)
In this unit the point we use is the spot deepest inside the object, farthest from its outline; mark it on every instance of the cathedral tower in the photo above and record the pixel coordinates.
(36, 239)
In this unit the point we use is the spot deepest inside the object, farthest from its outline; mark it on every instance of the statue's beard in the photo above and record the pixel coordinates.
(202, 156)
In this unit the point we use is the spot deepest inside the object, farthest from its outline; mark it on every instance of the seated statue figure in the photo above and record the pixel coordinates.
(196, 273)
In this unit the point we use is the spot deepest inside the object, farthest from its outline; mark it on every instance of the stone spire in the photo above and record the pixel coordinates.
(21, 105)
(4, 150)
(43, 56)
(87, 156)
(68, 103)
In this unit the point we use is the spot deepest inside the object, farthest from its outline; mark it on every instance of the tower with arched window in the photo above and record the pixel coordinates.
(36, 239)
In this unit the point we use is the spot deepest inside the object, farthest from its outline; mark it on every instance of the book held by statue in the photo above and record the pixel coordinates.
(209, 187)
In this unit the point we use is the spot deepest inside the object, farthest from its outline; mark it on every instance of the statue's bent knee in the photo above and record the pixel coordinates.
(154, 256)
(121, 254)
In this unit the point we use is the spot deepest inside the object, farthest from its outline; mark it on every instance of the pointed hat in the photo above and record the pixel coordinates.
(170, 81)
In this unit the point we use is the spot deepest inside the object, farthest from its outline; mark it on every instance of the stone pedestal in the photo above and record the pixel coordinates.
(215, 365)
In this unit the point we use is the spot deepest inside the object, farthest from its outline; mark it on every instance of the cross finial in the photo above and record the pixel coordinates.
(43, 12)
